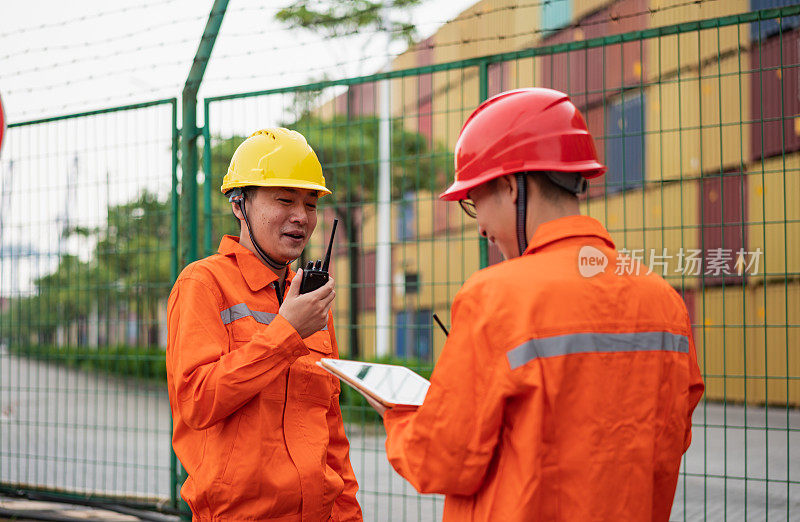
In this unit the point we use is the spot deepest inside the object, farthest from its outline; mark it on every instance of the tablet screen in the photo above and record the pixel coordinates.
(393, 384)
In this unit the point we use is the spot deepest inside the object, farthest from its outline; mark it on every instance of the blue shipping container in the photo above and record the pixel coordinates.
(413, 334)
(766, 28)
(624, 143)
(556, 14)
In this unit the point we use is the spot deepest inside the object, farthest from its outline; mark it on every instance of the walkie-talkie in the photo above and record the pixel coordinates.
(315, 275)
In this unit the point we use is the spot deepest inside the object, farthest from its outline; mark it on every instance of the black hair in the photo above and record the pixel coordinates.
(549, 190)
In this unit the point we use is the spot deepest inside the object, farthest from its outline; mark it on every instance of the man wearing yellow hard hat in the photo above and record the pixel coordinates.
(256, 424)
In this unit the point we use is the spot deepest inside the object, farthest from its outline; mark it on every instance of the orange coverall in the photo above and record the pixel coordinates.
(556, 396)
(256, 424)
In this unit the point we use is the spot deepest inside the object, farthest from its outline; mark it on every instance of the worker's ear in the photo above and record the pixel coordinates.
(237, 211)
(507, 187)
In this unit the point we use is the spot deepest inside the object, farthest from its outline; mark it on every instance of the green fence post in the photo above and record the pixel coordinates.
(174, 264)
(175, 258)
(188, 199)
(190, 132)
(207, 179)
(483, 74)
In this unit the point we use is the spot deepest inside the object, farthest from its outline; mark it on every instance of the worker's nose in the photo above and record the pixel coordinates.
(299, 215)
(482, 230)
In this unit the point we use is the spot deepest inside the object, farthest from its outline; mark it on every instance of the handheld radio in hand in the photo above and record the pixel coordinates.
(315, 275)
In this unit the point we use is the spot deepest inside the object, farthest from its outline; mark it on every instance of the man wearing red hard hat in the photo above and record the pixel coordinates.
(561, 393)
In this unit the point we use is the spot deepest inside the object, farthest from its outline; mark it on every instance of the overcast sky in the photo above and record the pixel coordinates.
(66, 57)
(62, 57)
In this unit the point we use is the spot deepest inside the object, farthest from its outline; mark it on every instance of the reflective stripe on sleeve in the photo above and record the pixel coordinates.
(596, 343)
(241, 310)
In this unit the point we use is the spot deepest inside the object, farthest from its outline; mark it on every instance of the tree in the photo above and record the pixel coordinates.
(348, 151)
(347, 148)
(222, 219)
(346, 17)
(133, 254)
(128, 270)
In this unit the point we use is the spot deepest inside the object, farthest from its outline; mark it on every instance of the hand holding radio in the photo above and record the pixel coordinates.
(315, 275)
(307, 313)
(310, 295)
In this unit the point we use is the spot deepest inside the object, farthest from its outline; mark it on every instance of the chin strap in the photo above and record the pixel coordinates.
(238, 198)
(522, 212)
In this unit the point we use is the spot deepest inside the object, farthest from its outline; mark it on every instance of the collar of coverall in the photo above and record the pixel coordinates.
(567, 227)
(256, 273)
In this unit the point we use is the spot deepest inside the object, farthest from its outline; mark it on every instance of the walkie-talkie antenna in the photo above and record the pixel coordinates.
(330, 247)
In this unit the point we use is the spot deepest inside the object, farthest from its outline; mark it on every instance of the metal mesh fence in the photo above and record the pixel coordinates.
(698, 123)
(86, 266)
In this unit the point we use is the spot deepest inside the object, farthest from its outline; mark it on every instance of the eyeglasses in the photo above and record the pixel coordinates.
(468, 206)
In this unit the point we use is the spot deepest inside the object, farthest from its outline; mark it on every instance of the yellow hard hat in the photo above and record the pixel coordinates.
(275, 158)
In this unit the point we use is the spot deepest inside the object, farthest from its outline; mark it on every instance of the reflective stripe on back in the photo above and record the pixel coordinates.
(596, 343)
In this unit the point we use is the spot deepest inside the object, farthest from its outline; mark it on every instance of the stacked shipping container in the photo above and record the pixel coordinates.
(701, 133)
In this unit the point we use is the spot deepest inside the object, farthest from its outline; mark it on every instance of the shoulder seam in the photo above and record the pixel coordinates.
(211, 289)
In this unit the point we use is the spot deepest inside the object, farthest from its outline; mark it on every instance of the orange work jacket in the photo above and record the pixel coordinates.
(256, 424)
(556, 396)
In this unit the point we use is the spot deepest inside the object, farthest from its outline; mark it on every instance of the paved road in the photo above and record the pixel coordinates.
(69, 429)
(65, 428)
(766, 452)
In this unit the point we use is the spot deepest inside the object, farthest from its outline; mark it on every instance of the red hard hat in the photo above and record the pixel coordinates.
(522, 130)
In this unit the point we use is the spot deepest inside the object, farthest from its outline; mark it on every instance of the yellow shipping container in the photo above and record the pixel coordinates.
(404, 91)
(695, 125)
(456, 95)
(442, 252)
(747, 343)
(524, 72)
(722, 353)
(666, 54)
(366, 335)
(341, 313)
(773, 340)
(662, 217)
(488, 27)
(441, 265)
(773, 214)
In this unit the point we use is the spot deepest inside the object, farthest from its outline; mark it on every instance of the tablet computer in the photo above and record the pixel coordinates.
(392, 386)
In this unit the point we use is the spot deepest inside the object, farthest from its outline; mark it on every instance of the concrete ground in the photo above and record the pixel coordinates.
(24, 510)
(743, 464)
(65, 429)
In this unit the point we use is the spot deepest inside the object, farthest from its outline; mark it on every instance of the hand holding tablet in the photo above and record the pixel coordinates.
(389, 385)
